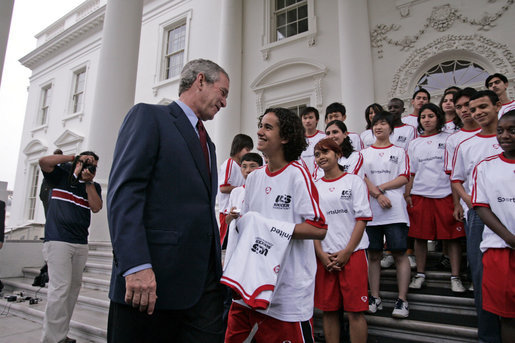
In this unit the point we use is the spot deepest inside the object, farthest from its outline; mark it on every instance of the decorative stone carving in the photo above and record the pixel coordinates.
(259, 101)
(441, 19)
(499, 55)
(318, 90)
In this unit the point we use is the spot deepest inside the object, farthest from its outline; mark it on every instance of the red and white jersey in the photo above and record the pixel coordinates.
(368, 138)
(308, 155)
(493, 185)
(382, 165)
(469, 153)
(355, 140)
(402, 135)
(344, 201)
(450, 127)
(452, 142)
(229, 175)
(410, 119)
(426, 157)
(352, 165)
(254, 257)
(289, 195)
(506, 108)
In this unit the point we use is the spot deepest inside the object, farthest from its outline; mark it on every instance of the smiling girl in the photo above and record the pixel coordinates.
(428, 195)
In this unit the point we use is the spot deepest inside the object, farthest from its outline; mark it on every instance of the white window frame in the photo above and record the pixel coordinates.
(76, 106)
(164, 28)
(268, 40)
(44, 104)
(72, 113)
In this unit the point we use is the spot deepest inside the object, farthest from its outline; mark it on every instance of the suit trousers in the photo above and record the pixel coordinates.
(66, 262)
(201, 323)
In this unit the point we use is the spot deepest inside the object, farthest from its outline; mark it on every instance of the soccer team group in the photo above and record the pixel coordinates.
(443, 172)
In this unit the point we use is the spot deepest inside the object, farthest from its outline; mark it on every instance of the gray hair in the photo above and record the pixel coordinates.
(189, 73)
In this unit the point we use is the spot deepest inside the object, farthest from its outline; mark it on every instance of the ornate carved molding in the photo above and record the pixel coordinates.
(499, 55)
(441, 19)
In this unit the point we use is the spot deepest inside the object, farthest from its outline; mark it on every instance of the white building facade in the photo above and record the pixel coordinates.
(289, 53)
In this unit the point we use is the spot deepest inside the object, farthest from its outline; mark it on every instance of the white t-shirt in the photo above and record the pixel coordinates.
(410, 119)
(493, 185)
(229, 175)
(451, 144)
(308, 155)
(469, 153)
(236, 199)
(506, 108)
(382, 165)
(352, 165)
(344, 201)
(426, 157)
(368, 138)
(402, 135)
(355, 140)
(289, 195)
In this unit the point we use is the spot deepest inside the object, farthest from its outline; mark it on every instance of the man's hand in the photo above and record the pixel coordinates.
(383, 201)
(141, 290)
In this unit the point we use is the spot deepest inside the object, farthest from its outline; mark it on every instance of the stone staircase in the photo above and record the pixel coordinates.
(436, 314)
(89, 320)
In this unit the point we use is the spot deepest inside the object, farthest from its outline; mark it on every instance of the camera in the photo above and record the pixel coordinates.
(85, 165)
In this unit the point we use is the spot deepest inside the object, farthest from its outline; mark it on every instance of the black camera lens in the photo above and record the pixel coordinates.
(92, 169)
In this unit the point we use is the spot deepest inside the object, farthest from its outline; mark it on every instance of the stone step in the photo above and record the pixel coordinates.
(437, 279)
(100, 246)
(87, 325)
(96, 281)
(100, 256)
(88, 298)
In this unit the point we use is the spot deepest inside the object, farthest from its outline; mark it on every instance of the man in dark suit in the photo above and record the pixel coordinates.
(161, 197)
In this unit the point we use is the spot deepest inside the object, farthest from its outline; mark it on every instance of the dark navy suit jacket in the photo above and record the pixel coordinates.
(160, 203)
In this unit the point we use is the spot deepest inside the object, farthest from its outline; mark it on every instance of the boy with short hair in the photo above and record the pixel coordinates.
(498, 83)
(493, 188)
(403, 133)
(310, 118)
(230, 176)
(283, 191)
(336, 111)
(420, 97)
(483, 107)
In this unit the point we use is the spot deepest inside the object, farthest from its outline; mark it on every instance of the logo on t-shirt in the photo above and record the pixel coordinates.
(394, 159)
(282, 202)
(441, 145)
(364, 298)
(268, 190)
(261, 246)
(346, 194)
(345, 168)
(277, 268)
(401, 139)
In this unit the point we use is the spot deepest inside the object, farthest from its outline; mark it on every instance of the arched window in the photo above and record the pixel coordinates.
(459, 73)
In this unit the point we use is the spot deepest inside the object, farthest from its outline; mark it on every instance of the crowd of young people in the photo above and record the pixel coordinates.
(444, 172)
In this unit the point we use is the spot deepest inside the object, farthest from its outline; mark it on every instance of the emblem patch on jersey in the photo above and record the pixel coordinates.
(381, 154)
(401, 139)
(441, 146)
(282, 202)
(346, 194)
(277, 268)
(268, 190)
(394, 159)
(261, 246)
(495, 146)
(429, 142)
(364, 298)
(345, 168)
(331, 189)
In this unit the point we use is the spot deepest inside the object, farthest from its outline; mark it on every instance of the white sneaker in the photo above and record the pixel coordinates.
(471, 287)
(374, 304)
(417, 282)
(387, 261)
(401, 309)
(412, 261)
(457, 286)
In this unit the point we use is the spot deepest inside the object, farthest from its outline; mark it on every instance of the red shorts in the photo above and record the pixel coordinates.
(432, 219)
(499, 282)
(347, 288)
(223, 227)
(242, 320)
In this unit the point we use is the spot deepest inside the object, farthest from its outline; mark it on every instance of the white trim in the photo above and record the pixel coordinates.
(83, 67)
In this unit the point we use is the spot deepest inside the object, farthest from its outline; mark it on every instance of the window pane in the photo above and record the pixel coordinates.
(292, 15)
(281, 33)
(303, 25)
(303, 11)
(80, 81)
(281, 19)
(291, 30)
(452, 73)
(279, 4)
(290, 2)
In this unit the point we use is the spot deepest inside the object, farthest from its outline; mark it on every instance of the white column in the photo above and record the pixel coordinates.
(227, 122)
(356, 68)
(114, 91)
(6, 11)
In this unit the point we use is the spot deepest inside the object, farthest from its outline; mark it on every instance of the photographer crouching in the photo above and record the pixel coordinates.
(74, 197)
